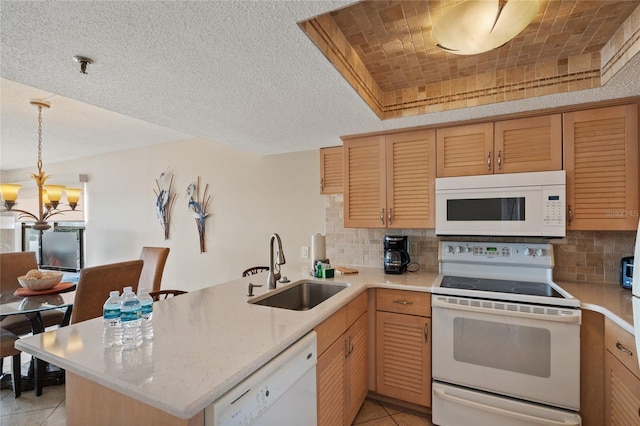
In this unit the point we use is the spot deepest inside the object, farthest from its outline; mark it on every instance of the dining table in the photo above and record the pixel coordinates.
(15, 302)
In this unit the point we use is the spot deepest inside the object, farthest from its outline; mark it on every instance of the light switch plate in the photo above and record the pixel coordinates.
(304, 252)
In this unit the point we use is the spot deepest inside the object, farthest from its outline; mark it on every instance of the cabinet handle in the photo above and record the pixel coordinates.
(321, 184)
(489, 160)
(499, 160)
(621, 347)
(389, 216)
(347, 352)
(402, 302)
(382, 216)
(570, 215)
(426, 332)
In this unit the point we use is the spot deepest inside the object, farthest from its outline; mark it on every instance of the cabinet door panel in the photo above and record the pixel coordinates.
(411, 164)
(330, 385)
(357, 374)
(601, 160)
(403, 357)
(465, 150)
(331, 170)
(364, 186)
(622, 394)
(528, 144)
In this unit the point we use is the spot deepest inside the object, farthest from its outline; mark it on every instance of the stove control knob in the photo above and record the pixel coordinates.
(540, 252)
(458, 249)
(527, 252)
(467, 249)
(448, 249)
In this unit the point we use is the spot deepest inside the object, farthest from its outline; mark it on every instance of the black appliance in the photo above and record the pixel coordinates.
(396, 256)
(626, 272)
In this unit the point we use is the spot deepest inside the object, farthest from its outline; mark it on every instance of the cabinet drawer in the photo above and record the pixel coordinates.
(622, 345)
(356, 308)
(330, 329)
(403, 302)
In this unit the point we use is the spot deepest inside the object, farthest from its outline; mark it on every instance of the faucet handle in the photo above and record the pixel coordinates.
(250, 289)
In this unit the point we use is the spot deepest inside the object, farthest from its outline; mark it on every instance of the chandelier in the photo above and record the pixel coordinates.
(477, 26)
(48, 196)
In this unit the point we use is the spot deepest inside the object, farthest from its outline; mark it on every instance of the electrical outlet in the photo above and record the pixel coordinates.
(304, 252)
(413, 249)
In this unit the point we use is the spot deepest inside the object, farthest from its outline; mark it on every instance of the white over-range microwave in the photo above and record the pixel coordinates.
(515, 204)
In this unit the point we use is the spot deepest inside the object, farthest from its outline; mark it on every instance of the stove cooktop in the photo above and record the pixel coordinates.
(500, 286)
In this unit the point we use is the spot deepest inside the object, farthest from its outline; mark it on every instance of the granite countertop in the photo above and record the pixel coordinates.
(209, 340)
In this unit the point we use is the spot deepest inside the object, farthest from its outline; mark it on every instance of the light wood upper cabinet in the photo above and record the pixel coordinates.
(528, 144)
(512, 146)
(331, 170)
(389, 180)
(465, 150)
(601, 161)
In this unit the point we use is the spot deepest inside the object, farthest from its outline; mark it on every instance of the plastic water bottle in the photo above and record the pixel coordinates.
(146, 302)
(112, 328)
(131, 318)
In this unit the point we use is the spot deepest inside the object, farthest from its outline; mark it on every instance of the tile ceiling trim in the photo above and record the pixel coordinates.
(335, 47)
(556, 76)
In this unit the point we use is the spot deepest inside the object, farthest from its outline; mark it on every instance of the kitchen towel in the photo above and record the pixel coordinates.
(318, 248)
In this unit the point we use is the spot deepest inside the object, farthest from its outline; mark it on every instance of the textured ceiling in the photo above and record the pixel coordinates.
(240, 73)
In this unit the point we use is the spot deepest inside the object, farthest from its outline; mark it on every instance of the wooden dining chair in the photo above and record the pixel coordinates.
(12, 266)
(7, 348)
(154, 260)
(96, 282)
(254, 270)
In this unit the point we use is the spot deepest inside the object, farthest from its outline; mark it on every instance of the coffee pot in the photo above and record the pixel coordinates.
(396, 256)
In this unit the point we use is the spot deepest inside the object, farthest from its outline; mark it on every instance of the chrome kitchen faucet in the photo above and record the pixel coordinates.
(274, 274)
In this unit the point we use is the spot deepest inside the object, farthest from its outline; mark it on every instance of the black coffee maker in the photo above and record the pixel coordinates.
(396, 257)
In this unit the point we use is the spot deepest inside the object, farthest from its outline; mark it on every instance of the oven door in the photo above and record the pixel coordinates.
(526, 351)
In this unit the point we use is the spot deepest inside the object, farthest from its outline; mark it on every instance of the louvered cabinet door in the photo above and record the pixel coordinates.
(357, 383)
(601, 161)
(331, 170)
(465, 150)
(330, 373)
(622, 394)
(364, 183)
(528, 144)
(403, 357)
(411, 172)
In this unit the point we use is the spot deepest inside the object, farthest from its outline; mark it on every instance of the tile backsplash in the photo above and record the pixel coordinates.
(580, 256)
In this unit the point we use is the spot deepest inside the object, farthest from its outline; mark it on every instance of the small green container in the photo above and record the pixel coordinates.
(327, 273)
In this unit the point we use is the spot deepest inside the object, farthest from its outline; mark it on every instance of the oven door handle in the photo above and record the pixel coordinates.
(503, 412)
(574, 318)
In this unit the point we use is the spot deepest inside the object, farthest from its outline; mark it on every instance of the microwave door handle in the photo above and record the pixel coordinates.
(502, 411)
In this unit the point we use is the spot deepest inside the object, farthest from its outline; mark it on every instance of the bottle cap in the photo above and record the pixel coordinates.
(126, 289)
(114, 293)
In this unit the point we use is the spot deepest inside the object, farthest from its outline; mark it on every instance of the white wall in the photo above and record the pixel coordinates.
(252, 197)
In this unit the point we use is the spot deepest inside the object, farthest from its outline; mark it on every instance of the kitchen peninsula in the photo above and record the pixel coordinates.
(209, 340)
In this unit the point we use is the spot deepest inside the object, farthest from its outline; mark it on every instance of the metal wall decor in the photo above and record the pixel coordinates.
(198, 207)
(164, 200)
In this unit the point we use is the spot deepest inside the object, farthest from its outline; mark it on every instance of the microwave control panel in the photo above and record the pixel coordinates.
(553, 207)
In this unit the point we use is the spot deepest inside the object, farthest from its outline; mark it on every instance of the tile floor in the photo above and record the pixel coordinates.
(376, 413)
(49, 409)
(29, 410)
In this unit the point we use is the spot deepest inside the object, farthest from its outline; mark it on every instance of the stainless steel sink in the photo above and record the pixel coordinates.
(301, 296)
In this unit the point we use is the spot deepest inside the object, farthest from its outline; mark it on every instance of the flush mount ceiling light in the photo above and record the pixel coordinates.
(477, 26)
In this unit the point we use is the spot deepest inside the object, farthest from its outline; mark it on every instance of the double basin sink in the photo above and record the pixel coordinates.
(300, 296)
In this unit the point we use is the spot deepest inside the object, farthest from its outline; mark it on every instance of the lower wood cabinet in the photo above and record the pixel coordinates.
(342, 380)
(403, 345)
(621, 378)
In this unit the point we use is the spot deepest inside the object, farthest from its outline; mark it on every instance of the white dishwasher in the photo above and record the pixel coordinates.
(282, 392)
